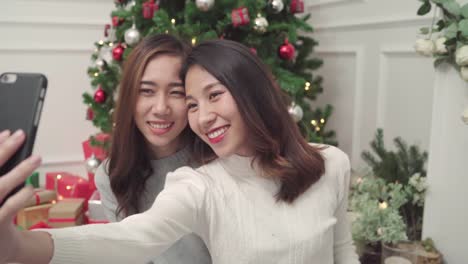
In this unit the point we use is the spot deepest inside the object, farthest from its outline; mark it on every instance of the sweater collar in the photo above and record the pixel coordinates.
(237, 165)
(181, 156)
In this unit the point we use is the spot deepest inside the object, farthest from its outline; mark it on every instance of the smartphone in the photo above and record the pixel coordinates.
(21, 100)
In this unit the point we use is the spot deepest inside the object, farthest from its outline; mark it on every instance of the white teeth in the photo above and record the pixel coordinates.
(160, 126)
(217, 132)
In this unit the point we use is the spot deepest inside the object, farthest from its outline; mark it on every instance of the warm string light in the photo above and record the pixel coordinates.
(316, 124)
(307, 86)
(111, 44)
(383, 205)
(173, 21)
(96, 74)
(101, 42)
(194, 41)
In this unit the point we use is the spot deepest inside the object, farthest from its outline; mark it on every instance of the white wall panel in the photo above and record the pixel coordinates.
(405, 96)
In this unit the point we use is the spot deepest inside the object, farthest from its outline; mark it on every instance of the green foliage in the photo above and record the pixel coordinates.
(192, 24)
(396, 166)
(453, 28)
(398, 179)
(374, 224)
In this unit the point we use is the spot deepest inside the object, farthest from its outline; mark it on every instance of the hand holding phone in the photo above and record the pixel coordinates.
(21, 100)
(9, 238)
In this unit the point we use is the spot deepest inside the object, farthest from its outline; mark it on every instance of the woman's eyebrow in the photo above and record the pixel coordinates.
(207, 87)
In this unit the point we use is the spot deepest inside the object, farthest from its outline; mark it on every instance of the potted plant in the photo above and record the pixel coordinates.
(389, 203)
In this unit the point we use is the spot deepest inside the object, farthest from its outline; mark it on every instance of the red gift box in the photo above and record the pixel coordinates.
(240, 16)
(99, 152)
(148, 9)
(68, 185)
(297, 6)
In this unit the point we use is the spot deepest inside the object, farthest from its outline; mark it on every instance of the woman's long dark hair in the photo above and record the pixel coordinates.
(130, 160)
(280, 149)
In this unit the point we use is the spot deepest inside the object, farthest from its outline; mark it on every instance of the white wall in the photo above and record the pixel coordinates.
(446, 211)
(55, 38)
(374, 79)
(372, 75)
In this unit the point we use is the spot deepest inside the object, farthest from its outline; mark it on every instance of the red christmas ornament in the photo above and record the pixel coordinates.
(106, 30)
(240, 16)
(296, 6)
(287, 51)
(89, 114)
(117, 52)
(100, 96)
(149, 8)
(116, 21)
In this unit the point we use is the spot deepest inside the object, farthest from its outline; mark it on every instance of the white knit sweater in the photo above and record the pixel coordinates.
(234, 211)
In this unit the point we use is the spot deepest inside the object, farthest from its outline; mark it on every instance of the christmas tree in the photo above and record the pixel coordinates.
(270, 28)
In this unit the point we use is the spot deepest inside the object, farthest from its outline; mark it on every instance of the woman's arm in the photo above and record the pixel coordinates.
(174, 214)
(145, 235)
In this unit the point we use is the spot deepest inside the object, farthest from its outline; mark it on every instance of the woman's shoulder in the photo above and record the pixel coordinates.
(201, 176)
(101, 178)
(333, 156)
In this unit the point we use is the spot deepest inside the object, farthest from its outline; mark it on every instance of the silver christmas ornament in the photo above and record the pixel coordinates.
(105, 53)
(132, 36)
(92, 163)
(204, 5)
(295, 111)
(465, 115)
(260, 24)
(101, 64)
(277, 6)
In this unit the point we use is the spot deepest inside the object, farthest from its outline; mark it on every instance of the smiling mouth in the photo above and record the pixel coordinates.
(216, 135)
(160, 128)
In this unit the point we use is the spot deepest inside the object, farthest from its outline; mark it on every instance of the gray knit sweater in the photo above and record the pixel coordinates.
(190, 248)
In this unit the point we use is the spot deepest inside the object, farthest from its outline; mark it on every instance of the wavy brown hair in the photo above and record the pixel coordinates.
(129, 165)
(280, 149)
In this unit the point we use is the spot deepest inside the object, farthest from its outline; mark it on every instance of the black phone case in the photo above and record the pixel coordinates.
(21, 104)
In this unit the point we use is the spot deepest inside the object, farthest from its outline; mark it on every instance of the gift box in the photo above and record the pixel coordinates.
(67, 185)
(42, 196)
(33, 180)
(98, 152)
(240, 16)
(95, 213)
(32, 215)
(68, 212)
(296, 6)
(40, 225)
(148, 9)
